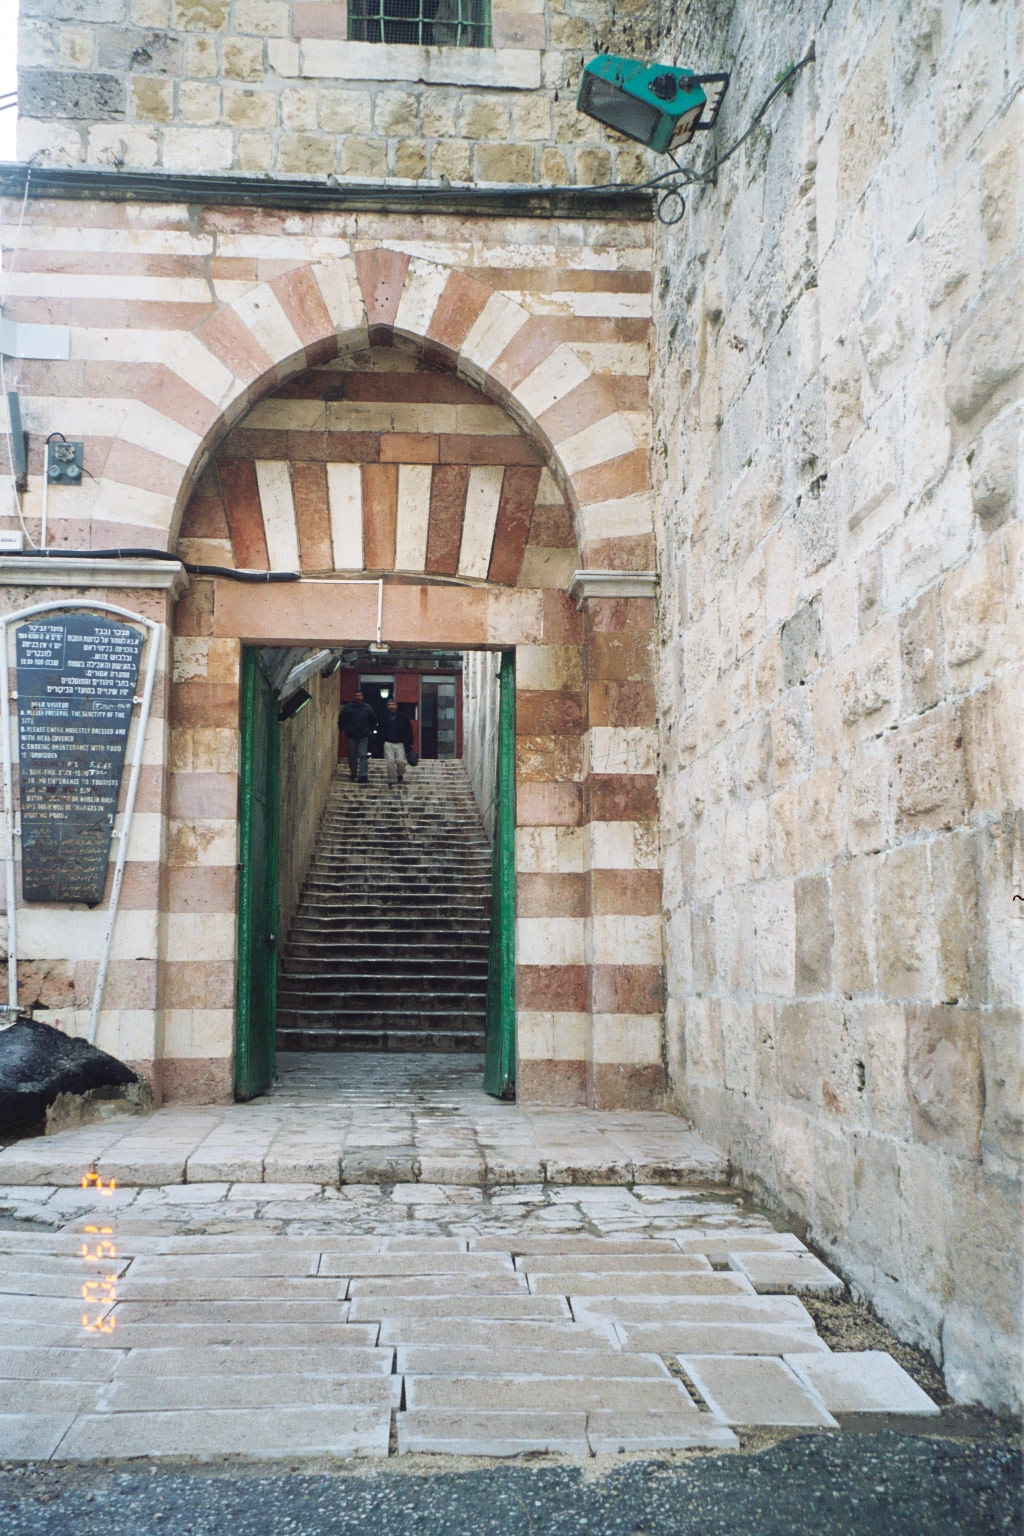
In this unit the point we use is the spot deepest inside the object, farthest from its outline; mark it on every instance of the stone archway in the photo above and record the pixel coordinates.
(588, 921)
(316, 310)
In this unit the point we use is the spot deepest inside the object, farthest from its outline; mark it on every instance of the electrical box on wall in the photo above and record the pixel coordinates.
(64, 463)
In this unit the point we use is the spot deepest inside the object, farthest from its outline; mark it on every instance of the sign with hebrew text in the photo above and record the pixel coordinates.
(77, 675)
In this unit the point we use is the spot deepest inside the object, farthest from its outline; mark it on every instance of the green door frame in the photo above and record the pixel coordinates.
(500, 1046)
(256, 995)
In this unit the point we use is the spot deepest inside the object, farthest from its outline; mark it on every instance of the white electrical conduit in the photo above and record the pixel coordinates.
(13, 831)
(354, 581)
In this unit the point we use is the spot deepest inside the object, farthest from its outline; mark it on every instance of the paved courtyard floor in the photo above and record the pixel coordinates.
(623, 1302)
(588, 1285)
(371, 1119)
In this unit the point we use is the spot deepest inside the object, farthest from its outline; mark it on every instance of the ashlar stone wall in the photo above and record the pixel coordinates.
(275, 87)
(838, 419)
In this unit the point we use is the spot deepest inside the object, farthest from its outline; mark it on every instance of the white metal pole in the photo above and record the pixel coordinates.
(46, 492)
(5, 738)
(126, 821)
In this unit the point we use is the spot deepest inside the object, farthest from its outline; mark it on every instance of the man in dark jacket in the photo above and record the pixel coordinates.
(357, 720)
(397, 733)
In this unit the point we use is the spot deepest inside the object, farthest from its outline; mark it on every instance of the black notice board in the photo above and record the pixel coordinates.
(77, 675)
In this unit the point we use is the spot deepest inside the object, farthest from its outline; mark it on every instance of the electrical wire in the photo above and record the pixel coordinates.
(261, 577)
(681, 176)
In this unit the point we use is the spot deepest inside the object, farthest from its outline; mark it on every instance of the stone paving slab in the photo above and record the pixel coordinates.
(32, 1436)
(472, 1433)
(866, 1381)
(33, 1363)
(747, 1389)
(270, 1432)
(524, 1394)
(363, 1309)
(786, 1273)
(720, 1339)
(440, 1360)
(250, 1360)
(282, 1389)
(611, 1432)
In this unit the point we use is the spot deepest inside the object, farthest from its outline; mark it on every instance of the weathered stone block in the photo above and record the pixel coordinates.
(250, 108)
(76, 49)
(199, 15)
(344, 112)
(364, 157)
(306, 154)
(801, 644)
(118, 144)
(411, 159)
(1002, 1056)
(153, 100)
(129, 50)
(267, 18)
(867, 795)
(255, 152)
(504, 163)
(905, 942)
(199, 102)
(990, 349)
(452, 159)
(959, 920)
(49, 93)
(395, 113)
(243, 58)
(813, 918)
(944, 1076)
(928, 758)
(483, 118)
(865, 121)
(874, 1230)
(921, 651)
(995, 464)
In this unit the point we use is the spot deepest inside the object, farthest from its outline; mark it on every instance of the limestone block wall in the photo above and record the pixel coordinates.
(274, 87)
(838, 398)
(481, 697)
(307, 755)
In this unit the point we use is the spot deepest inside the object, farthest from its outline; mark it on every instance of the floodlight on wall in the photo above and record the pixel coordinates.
(290, 708)
(657, 105)
(663, 106)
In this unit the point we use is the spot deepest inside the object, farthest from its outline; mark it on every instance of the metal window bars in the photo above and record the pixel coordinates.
(429, 23)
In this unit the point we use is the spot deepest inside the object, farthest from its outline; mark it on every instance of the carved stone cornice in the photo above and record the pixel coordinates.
(586, 584)
(72, 571)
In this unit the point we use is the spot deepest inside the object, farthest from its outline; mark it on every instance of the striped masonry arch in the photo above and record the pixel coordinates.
(320, 310)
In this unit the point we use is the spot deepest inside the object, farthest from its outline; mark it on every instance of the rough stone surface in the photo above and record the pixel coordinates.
(837, 382)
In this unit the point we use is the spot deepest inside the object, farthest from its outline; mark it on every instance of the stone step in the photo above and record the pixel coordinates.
(292, 1038)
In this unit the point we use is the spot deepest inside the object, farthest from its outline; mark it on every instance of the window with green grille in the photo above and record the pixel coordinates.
(438, 23)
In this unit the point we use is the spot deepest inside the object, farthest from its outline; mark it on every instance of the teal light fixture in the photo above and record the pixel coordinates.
(657, 105)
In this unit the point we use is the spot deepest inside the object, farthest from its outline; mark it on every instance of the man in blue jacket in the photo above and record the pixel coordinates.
(357, 720)
(397, 733)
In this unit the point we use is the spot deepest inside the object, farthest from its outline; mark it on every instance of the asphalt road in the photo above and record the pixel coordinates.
(884, 1484)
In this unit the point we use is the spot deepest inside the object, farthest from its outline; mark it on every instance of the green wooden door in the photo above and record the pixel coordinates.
(256, 1003)
(500, 1049)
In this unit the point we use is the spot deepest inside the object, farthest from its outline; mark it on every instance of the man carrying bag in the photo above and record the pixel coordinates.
(396, 732)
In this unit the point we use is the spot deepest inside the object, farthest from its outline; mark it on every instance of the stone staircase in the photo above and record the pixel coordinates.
(388, 947)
